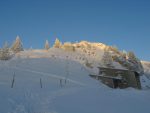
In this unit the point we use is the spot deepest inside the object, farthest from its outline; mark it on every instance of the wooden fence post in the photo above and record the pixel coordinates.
(41, 82)
(60, 82)
(13, 80)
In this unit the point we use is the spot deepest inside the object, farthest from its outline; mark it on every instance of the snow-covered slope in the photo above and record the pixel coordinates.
(92, 55)
(57, 81)
(78, 94)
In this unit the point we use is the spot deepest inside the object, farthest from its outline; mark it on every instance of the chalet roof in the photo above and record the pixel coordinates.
(111, 77)
(113, 69)
(105, 68)
(117, 70)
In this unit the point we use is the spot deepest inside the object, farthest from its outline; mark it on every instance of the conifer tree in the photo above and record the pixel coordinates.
(17, 45)
(57, 43)
(5, 52)
(47, 45)
(131, 55)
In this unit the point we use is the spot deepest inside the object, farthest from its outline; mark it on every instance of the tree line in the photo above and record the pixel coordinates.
(7, 52)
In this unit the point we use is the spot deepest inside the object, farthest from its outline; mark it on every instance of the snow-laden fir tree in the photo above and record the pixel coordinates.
(124, 54)
(5, 53)
(136, 63)
(57, 43)
(46, 45)
(17, 45)
(131, 55)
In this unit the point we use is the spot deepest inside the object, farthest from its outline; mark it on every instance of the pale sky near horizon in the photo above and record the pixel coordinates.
(124, 23)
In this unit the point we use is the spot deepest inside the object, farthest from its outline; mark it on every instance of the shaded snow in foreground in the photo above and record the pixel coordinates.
(80, 94)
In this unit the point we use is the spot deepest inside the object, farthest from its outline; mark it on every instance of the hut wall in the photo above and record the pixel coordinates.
(129, 78)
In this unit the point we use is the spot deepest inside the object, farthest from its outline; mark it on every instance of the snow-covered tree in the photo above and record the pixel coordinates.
(114, 49)
(57, 43)
(135, 62)
(46, 45)
(5, 53)
(131, 55)
(124, 54)
(17, 45)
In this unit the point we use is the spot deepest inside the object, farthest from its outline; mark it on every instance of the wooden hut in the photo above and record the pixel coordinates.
(118, 78)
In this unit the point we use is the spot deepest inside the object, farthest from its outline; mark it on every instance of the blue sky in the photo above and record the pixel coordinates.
(124, 23)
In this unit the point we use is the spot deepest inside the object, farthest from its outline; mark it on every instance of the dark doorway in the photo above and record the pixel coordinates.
(115, 81)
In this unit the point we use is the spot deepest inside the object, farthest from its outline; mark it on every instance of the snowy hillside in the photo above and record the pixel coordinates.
(56, 80)
(78, 94)
(91, 54)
